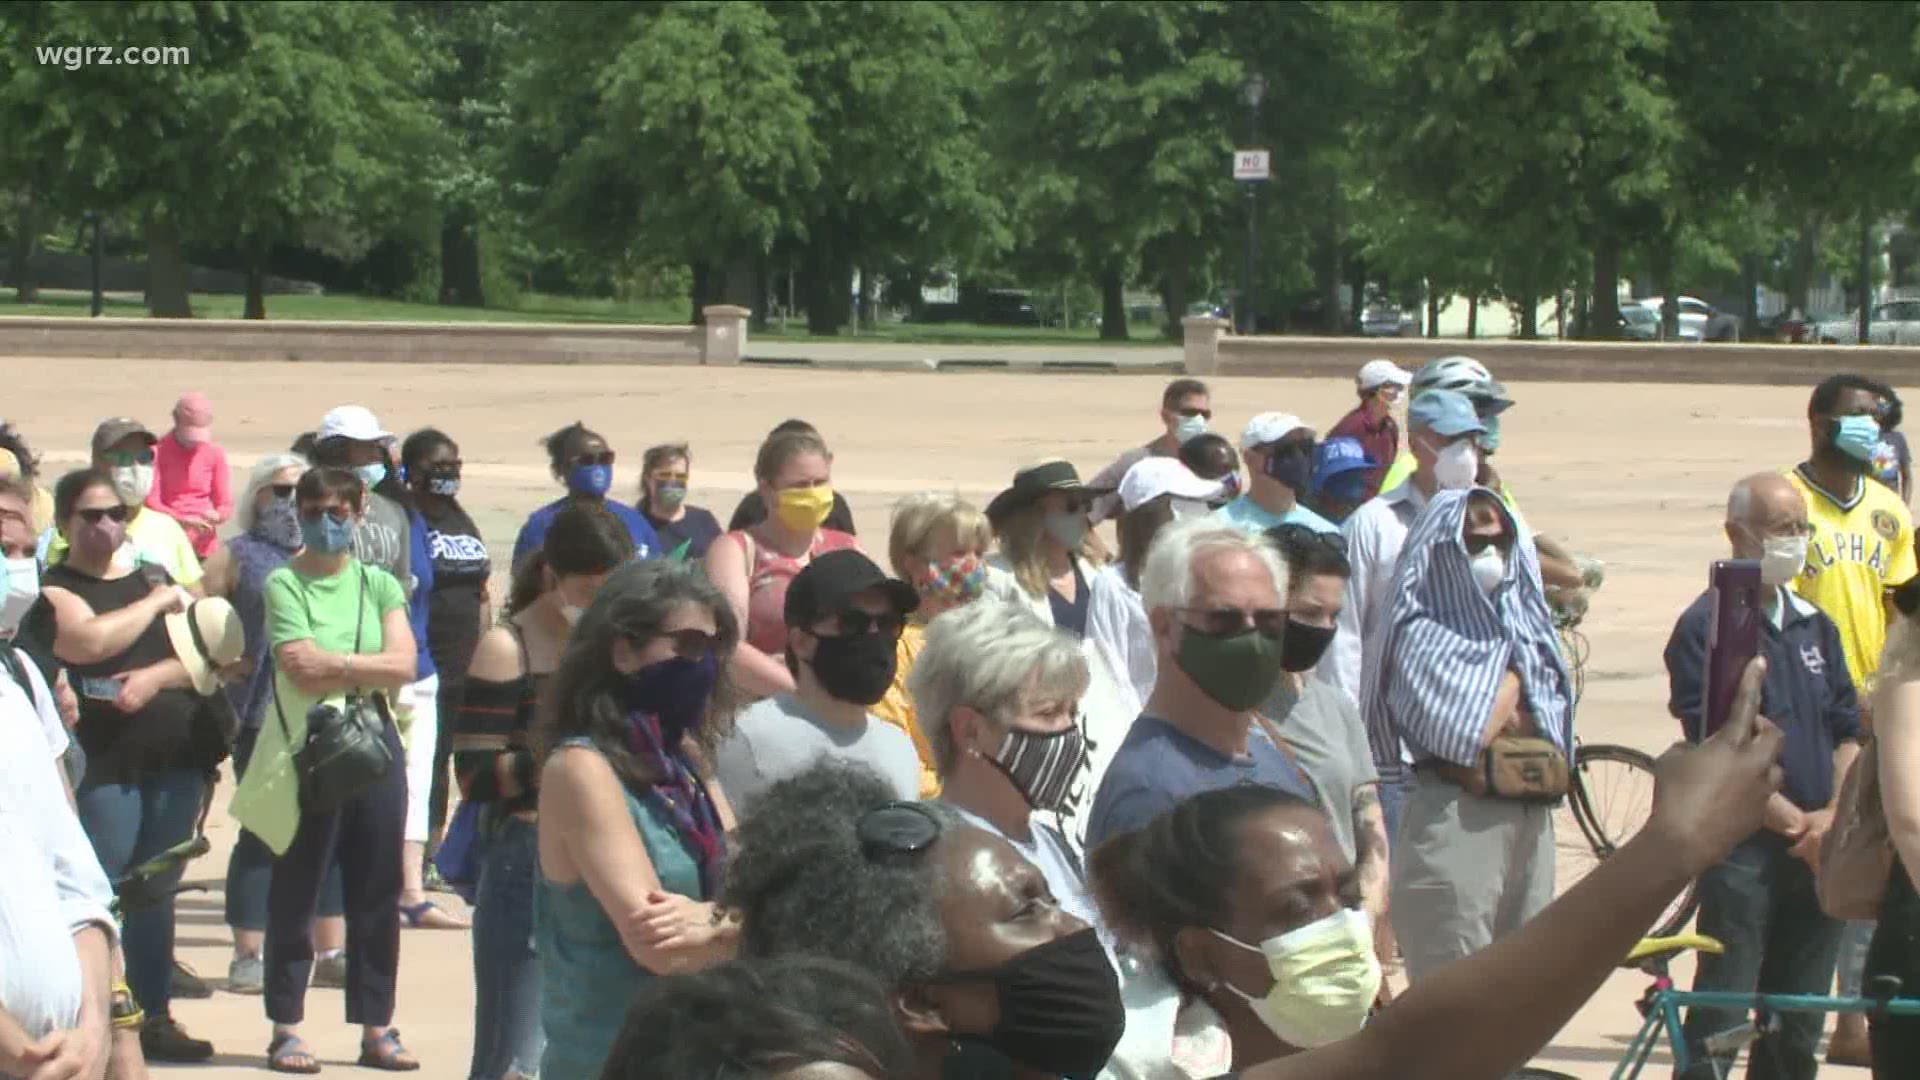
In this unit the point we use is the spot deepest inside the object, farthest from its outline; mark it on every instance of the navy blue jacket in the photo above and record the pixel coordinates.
(1808, 693)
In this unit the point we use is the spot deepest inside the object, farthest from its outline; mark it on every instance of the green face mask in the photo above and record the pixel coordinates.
(1238, 670)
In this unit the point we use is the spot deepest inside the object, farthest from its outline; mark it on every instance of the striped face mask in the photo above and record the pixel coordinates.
(1042, 765)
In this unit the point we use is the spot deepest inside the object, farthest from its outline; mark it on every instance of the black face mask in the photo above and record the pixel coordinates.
(1302, 646)
(1060, 1012)
(1292, 465)
(856, 667)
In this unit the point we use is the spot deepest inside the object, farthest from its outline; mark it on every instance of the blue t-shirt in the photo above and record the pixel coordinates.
(1249, 516)
(1159, 766)
(421, 562)
(646, 544)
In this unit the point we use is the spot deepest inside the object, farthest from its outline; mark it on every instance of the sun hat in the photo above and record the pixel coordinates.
(207, 636)
(1033, 483)
(193, 416)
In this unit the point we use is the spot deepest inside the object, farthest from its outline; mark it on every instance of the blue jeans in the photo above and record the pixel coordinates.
(1760, 903)
(1853, 957)
(129, 824)
(506, 974)
(250, 864)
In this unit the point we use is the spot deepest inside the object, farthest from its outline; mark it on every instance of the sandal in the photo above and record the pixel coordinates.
(427, 915)
(287, 1054)
(386, 1053)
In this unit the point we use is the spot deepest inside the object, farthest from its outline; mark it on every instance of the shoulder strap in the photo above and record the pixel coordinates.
(10, 659)
(520, 640)
(360, 610)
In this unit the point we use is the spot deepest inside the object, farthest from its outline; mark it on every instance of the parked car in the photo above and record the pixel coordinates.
(1896, 322)
(1699, 320)
(1638, 322)
(1380, 321)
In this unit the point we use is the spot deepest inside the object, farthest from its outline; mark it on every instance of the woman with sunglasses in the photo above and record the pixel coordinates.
(123, 452)
(150, 749)
(494, 757)
(753, 566)
(1047, 545)
(632, 830)
(686, 532)
(582, 461)
(238, 572)
(341, 639)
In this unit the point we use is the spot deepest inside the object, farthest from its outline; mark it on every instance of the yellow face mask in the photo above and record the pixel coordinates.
(802, 510)
(1325, 979)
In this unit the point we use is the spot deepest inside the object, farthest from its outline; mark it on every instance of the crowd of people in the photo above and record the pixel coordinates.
(743, 802)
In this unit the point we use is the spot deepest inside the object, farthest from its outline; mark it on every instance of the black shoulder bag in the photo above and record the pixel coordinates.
(346, 748)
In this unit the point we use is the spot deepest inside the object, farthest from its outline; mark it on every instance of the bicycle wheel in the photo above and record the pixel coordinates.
(1575, 648)
(1611, 798)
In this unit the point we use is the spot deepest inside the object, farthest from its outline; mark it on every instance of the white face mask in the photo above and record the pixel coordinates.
(1187, 428)
(21, 589)
(1325, 980)
(1489, 569)
(1781, 559)
(572, 613)
(132, 483)
(1456, 465)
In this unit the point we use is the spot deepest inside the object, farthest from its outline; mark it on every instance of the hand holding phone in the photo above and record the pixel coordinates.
(1733, 635)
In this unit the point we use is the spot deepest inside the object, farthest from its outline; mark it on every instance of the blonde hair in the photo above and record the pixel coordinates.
(920, 518)
(1021, 534)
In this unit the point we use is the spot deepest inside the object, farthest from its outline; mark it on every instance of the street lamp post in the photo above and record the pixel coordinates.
(1252, 92)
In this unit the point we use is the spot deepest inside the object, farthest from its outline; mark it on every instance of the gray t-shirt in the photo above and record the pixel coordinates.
(1323, 726)
(384, 540)
(776, 738)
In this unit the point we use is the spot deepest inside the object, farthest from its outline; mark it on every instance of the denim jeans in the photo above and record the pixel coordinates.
(1853, 957)
(507, 1037)
(129, 824)
(1760, 903)
(250, 864)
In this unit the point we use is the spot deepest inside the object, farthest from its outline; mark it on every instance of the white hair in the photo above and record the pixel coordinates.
(991, 656)
(260, 477)
(1167, 579)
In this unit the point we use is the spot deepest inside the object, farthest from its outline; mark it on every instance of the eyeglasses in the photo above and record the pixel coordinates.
(1205, 414)
(123, 458)
(93, 515)
(1227, 622)
(896, 828)
(337, 512)
(854, 623)
(283, 491)
(604, 457)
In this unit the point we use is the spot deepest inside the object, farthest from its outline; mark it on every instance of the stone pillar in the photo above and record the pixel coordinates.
(1203, 343)
(725, 340)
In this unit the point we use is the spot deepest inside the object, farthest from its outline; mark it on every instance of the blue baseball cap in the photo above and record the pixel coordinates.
(1448, 412)
(1337, 456)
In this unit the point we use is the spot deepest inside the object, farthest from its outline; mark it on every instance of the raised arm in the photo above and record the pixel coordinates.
(755, 671)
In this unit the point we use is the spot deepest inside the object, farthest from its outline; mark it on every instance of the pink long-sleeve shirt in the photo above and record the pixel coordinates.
(191, 481)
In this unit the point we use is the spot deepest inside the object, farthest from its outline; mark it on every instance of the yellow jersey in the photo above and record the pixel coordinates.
(896, 707)
(1862, 545)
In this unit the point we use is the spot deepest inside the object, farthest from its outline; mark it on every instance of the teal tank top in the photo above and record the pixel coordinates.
(585, 970)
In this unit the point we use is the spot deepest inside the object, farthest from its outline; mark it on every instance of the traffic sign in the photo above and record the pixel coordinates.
(1251, 165)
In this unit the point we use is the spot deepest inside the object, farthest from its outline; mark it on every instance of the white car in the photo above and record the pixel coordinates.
(1896, 322)
(1699, 320)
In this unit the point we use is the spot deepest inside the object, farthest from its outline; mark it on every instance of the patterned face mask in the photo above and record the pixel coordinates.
(1043, 765)
(960, 580)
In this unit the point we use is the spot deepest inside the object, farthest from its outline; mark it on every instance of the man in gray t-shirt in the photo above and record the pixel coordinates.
(844, 618)
(1322, 725)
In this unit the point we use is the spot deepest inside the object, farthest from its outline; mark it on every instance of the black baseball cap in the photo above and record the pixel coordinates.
(828, 584)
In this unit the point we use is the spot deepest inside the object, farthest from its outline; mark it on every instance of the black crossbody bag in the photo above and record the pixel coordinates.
(345, 752)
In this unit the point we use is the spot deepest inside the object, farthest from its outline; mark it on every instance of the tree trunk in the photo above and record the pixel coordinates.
(26, 241)
(1529, 316)
(1473, 315)
(828, 279)
(1173, 287)
(1433, 311)
(1800, 275)
(1866, 276)
(1603, 323)
(1749, 293)
(166, 272)
(866, 313)
(460, 261)
(700, 291)
(1113, 304)
(255, 255)
(1349, 321)
(1662, 259)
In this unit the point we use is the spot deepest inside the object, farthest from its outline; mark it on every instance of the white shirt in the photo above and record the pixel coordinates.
(1118, 628)
(54, 884)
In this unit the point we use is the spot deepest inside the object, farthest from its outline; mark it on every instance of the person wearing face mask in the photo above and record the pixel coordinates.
(987, 974)
(1215, 599)
(580, 459)
(123, 451)
(339, 630)
(1760, 901)
(1279, 453)
(1343, 475)
(351, 438)
(686, 532)
(1186, 407)
(494, 758)
(633, 830)
(844, 619)
(1211, 457)
(1321, 724)
(1469, 671)
(938, 544)
(1047, 544)
(752, 509)
(1382, 384)
(190, 480)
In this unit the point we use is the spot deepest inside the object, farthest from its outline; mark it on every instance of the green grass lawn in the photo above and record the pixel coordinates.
(538, 307)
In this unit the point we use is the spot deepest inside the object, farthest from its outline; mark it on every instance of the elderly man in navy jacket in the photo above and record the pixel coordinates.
(1760, 903)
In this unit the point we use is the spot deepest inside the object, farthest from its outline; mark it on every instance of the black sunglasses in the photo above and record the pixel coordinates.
(94, 515)
(1227, 622)
(283, 491)
(1481, 542)
(1191, 413)
(854, 623)
(1294, 536)
(604, 457)
(693, 644)
(337, 512)
(896, 828)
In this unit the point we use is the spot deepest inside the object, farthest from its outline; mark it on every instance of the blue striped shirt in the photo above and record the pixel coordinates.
(1447, 645)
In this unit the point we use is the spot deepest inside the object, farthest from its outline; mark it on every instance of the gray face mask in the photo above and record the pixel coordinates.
(1068, 529)
(279, 523)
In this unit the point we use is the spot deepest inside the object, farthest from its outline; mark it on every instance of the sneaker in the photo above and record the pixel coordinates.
(163, 1039)
(246, 975)
(330, 972)
(186, 984)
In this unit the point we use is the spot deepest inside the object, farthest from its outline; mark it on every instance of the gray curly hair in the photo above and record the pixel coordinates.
(803, 884)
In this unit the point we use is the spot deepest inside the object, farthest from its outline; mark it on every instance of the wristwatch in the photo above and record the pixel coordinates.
(124, 1011)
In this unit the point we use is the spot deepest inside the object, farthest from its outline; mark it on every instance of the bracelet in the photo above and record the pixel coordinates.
(124, 1010)
(346, 665)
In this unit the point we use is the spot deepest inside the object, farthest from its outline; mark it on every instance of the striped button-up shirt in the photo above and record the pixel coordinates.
(1446, 645)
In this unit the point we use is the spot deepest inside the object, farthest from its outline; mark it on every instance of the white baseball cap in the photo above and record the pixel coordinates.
(1268, 428)
(1157, 476)
(354, 422)
(1376, 373)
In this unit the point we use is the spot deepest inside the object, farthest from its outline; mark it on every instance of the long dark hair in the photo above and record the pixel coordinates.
(583, 538)
(583, 696)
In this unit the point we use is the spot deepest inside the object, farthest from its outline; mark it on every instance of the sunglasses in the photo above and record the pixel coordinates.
(896, 828)
(1295, 537)
(94, 515)
(856, 623)
(604, 457)
(1480, 543)
(1227, 622)
(283, 491)
(339, 514)
(693, 644)
(1206, 414)
(129, 457)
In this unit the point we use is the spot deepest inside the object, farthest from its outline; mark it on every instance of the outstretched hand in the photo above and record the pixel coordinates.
(1709, 797)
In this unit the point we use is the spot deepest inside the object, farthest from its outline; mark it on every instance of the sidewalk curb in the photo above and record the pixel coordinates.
(965, 364)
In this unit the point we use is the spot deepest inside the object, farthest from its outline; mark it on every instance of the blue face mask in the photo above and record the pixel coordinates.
(371, 475)
(1856, 436)
(325, 536)
(1490, 439)
(590, 479)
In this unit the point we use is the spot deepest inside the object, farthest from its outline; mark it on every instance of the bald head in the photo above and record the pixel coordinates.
(1763, 505)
